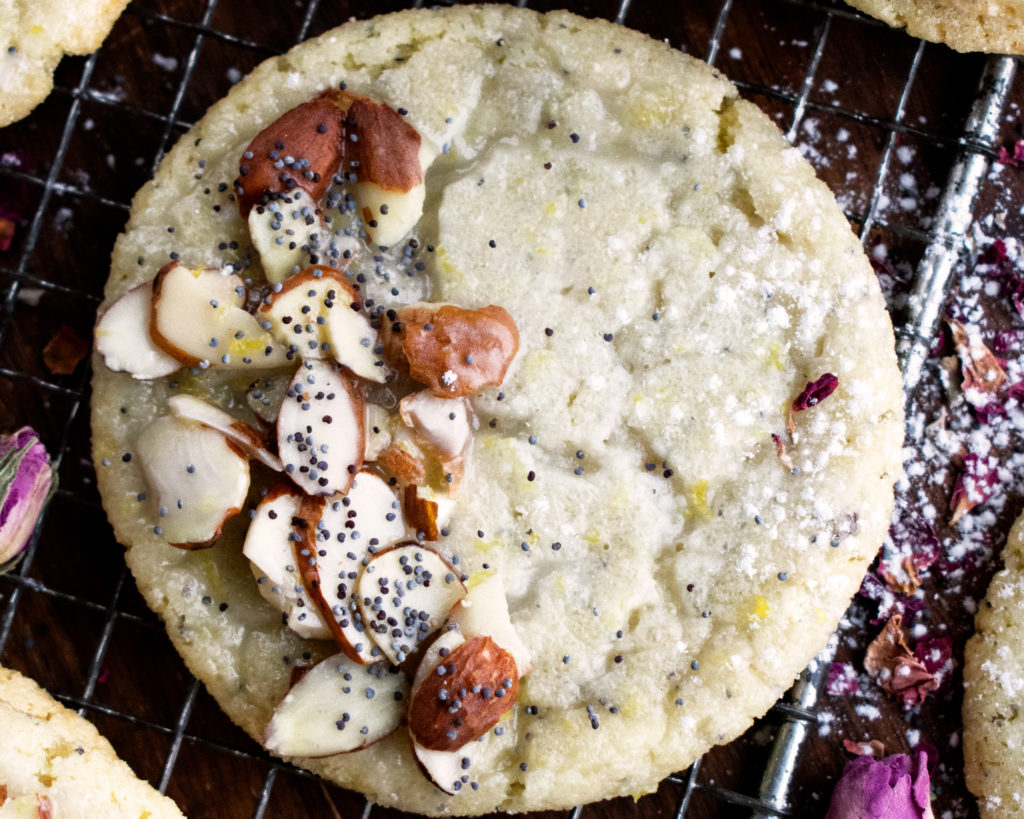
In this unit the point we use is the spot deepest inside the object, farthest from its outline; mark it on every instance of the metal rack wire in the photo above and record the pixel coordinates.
(59, 404)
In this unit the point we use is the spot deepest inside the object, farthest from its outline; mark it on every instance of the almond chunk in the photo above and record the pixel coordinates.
(452, 350)
(320, 429)
(464, 696)
(337, 707)
(122, 337)
(238, 432)
(198, 478)
(199, 318)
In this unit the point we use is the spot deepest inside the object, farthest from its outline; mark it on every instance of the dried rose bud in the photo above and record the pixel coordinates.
(896, 787)
(26, 483)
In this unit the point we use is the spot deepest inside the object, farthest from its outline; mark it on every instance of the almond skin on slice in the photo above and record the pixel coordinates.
(199, 479)
(452, 350)
(426, 512)
(464, 696)
(239, 432)
(302, 149)
(337, 707)
(198, 317)
(320, 429)
(122, 337)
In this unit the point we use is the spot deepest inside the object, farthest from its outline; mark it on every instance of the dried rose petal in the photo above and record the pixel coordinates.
(982, 370)
(896, 787)
(1015, 159)
(907, 584)
(26, 483)
(64, 351)
(936, 654)
(996, 258)
(897, 670)
(813, 394)
(974, 485)
(780, 450)
(872, 747)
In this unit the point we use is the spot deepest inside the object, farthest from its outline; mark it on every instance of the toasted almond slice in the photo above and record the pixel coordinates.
(320, 432)
(247, 437)
(350, 530)
(404, 594)
(426, 511)
(269, 546)
(265, 396)
(122, 337)
(484, 612)
(464, 696)
(449, 770)
(288, 237)
(452, 350)
(315, 314)
(337, 707)
(198, 478)
(198, 317)
(443, 426)
(447, 640)
(300, 150)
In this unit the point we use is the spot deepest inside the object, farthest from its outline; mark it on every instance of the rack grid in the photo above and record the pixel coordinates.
(72, 597)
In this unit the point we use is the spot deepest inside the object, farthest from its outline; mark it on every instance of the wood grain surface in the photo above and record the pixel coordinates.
(70, 616)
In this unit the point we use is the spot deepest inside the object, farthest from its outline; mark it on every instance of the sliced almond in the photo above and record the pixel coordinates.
(122, 337)
(464, 696)
(248, 438)
(337, 707)
(452, 350)
(484, 612)
(426, 511)
(300, 150)
(198, 317)
(197, 477)
(444, 426)
(270, 547)
(404, 594)
(288, 237)
(350, 530)
(320, 432)
(315, 314)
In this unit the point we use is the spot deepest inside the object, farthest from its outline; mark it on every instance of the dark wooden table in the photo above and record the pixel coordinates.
(881, 116)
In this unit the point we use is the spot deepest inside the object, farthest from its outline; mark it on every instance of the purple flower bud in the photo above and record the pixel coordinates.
(26, 483)
(896, 787)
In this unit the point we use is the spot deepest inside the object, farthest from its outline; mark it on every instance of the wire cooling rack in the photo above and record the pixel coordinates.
(855, 96)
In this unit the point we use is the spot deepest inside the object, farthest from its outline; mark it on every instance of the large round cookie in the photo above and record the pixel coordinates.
(51, 757)
(678, 276)
(993, 685)
(34, 35)
(993, 26)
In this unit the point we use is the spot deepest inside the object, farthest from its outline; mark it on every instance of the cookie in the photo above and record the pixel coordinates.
(52, 758)
(993, 682)
(966, 25)
(678, 465)
(34, 35)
